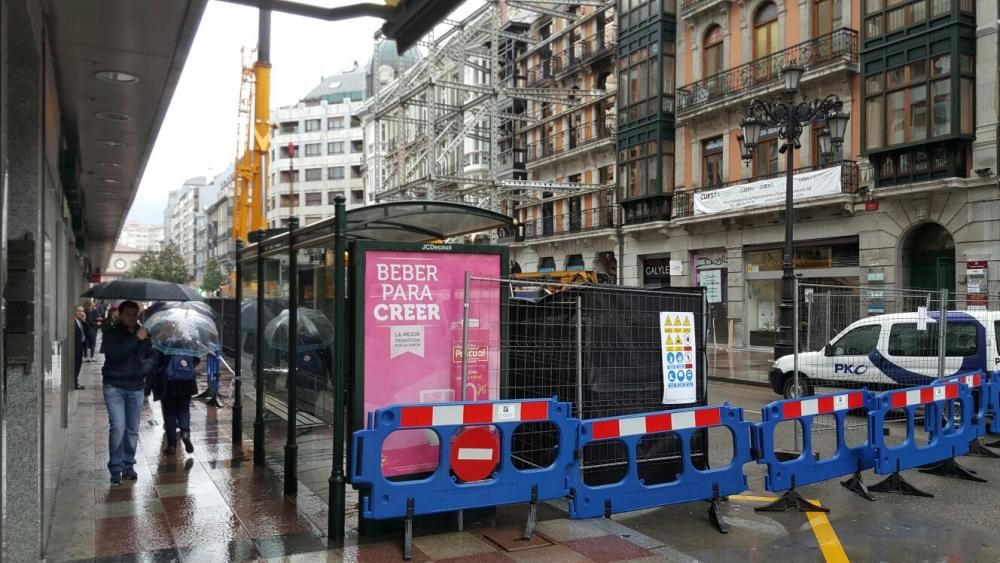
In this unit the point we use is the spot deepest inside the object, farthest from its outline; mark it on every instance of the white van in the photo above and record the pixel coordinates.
(890, 351)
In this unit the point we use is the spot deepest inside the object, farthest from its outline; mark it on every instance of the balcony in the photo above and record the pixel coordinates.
(585, 221)
(541, 72)
(689, 8)
(584, 51)
(720, 90)
(683, 205)
(570, 140)
(648, 209)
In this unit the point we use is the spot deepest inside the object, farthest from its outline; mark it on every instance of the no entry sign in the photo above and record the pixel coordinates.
(475, 454)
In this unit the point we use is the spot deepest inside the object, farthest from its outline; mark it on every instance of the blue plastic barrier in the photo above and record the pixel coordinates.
(441, 491)
(691, 484)
(992, 391)
(979, 391)
(946, 440)
(806, 469)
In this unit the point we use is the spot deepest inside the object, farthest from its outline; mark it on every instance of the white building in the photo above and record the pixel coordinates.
(141, 236)
(317, 149)
(185, 206)
(219, 225)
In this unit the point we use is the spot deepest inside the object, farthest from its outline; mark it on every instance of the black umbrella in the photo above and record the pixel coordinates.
(140, 289)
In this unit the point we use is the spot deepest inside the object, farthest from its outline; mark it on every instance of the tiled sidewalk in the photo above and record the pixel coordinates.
(214, 506)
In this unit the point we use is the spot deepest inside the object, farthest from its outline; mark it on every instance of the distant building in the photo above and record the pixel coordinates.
(185, 206)
(142, 236)
(122, 259)
(219, 225)
(325, 131)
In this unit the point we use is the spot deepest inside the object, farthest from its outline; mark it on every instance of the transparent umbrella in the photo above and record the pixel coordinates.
(314, 329)
(182, 331)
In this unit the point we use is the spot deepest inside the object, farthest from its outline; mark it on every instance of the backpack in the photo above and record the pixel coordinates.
(180, 368)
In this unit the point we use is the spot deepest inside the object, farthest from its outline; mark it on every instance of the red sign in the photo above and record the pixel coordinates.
(475, 453)
(978, 300)
(95, 278)
(976, 265)
(871, 205)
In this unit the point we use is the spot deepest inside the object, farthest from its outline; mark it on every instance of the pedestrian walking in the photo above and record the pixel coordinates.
(129, 360)
(92, 323)
(174, 386)
(212, 366)
(80, 331)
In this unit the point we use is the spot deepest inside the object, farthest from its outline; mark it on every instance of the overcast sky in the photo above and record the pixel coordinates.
(198, 136)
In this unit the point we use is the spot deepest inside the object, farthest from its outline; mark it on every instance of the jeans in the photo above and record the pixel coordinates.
(176, 414)
(124, 408)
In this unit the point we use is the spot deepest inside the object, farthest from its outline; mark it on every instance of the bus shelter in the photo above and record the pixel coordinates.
(302, 378)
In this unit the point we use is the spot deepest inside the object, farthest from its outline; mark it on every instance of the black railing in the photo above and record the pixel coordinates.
(584, 50)
(684, 199)
(545, 70)
(838, 46)
(688, 5)
(584, 220)
(647, 209)
(573, 138)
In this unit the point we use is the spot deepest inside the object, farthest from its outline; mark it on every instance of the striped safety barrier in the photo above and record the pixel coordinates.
(691, 483)
(806, 469)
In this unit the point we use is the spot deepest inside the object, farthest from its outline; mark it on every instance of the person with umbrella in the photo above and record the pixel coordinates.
(128, 362)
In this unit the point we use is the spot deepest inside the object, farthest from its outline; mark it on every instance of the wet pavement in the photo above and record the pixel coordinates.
(214, 505)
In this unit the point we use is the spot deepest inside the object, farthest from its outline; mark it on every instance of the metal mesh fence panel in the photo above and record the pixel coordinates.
(595, 346)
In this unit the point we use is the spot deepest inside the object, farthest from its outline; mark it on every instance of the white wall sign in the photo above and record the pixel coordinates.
(711, 280)
(679, 352)
(768, 192)
(676, 268)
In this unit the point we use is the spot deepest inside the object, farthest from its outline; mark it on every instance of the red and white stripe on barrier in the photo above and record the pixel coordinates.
(826, 404)
(973, 381)
(473, 413)
(923, 396)
(661, 422)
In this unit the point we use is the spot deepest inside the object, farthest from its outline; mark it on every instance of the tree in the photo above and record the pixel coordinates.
(166, 265)
(213, 278)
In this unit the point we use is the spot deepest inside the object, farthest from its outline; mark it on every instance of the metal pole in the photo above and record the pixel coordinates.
(795, 353)
(258, 421)
(465, 334)
(783, 345)
(237, 360)
(942, 333)
(291, 448)
(579, 357)
(337, 503)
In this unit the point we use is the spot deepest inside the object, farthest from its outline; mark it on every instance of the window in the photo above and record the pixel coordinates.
(289, 127)
(335, 173)
(711, 151)
(941, 107)
(331, 197)
(335, 122)
(824, 14)
(906, 340)
(289, 176)
(547, 264)
(968, 105)
(765, 158)
(314, 199)
(895, 115)
(874, 127)
(574, 262)
(357, 146)
(712, 55)
(858, 342)
(765, 41)
(314, 174)
(639, 82)
(313, 125)
(314, 149)
(336, 147)
(356, 172)
(289, 200)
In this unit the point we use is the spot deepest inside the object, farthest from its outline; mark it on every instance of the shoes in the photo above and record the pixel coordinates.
(78, 387)
(204, 394)
(171, 449)
(116, 478)
(215, 402)
(130, 474)
(188, 446)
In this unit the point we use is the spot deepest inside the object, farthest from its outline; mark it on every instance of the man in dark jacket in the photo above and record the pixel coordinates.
(128, 360)
(93, 322)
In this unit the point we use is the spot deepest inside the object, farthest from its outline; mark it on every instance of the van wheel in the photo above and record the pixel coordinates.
(804, 389)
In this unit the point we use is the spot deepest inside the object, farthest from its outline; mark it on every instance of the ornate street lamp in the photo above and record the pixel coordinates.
(790, 116)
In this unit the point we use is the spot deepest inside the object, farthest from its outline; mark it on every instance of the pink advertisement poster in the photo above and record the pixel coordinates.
(413, 308)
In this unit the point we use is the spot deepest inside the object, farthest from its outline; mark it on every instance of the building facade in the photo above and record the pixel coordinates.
(220, 244)
(909, 200)
(318, 151)
(187, 226)
(142, 236)
(122, 259)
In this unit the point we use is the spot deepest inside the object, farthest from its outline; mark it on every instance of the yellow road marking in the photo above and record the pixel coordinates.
(826, 537)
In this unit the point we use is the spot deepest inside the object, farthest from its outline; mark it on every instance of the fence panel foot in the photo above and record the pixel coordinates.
(529, 526)
(951, 468)
(978, 449)
(792, 500)
(895, 483)
(858, 487)
(715, 516)
(408, 531)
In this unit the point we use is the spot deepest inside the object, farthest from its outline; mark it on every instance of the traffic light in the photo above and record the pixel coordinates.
(412, 19)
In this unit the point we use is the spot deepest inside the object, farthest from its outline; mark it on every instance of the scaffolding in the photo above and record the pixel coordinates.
(450, 128)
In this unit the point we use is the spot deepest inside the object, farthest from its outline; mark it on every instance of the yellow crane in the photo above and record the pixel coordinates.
(252, 147)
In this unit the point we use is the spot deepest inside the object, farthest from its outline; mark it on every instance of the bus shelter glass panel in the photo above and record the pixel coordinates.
(247, 339)
(274, 354)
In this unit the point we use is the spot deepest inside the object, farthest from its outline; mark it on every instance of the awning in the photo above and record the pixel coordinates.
(420, 221)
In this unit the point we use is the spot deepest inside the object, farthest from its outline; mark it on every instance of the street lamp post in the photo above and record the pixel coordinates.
(790, 116)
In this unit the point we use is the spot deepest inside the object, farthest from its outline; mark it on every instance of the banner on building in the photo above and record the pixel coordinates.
(680, 366)
(823, 182)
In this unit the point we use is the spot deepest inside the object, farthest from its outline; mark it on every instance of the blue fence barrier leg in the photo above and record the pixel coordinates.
(993, 393)
(973, 424)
